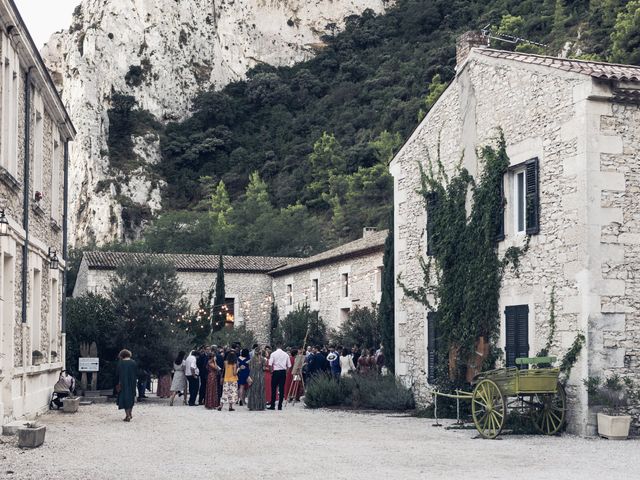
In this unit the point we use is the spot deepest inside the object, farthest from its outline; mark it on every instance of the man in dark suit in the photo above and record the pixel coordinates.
(316, 362)
(202, 364)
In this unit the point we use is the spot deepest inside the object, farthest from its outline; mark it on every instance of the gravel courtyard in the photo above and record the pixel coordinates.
(187, 442)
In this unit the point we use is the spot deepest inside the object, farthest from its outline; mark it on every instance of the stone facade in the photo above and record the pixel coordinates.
(254, 283)
(250, 291)
(26, 381)
(587, 247)
(328, 274)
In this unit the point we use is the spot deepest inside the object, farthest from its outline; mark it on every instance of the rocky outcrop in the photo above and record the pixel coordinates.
(162, 52)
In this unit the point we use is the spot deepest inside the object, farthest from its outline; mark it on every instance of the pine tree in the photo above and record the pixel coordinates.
(386, 310)
(219, 307)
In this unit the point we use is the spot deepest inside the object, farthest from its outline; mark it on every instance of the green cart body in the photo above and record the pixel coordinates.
(536, 390)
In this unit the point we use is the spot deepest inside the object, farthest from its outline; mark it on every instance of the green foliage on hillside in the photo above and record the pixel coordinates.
(319, 134)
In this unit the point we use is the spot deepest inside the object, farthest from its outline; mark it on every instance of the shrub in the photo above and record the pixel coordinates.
(362, 327)
(293, 329)
(325, 391)
(372, 392)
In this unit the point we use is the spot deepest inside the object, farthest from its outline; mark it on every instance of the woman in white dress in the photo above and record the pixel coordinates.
(179, 382)
(346, 363)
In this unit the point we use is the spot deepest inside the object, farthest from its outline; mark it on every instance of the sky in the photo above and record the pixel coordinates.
(43, 17)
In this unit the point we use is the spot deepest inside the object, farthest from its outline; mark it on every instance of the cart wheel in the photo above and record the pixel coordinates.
(488, 408)
(548, 411)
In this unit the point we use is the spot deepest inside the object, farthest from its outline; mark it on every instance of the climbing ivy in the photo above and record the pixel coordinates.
(463, 274)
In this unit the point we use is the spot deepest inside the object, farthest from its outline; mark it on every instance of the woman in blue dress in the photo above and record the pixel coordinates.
(243, 374)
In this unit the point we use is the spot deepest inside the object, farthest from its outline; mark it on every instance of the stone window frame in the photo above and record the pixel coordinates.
(289, 294)
(10, 106)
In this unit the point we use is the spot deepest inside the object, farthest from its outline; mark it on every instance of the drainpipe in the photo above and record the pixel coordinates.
(25, 224)
(65, 252)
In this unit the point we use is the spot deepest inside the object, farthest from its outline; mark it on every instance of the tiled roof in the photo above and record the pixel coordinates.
(371, 242)
(608, 71)
(185, 262)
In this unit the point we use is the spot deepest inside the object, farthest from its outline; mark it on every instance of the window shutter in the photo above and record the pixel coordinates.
(533, 197)
(432, 204)
(517, 334)
(522, 332)
(500, 213)
(510, 333)
(432, 348)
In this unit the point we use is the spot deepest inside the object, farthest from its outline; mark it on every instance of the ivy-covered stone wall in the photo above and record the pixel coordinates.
(586, 247)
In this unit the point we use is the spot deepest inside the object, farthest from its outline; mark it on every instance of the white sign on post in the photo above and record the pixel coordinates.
(88, 364)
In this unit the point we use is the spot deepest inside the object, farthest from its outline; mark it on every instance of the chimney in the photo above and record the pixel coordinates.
(466, 42)
(368, 231)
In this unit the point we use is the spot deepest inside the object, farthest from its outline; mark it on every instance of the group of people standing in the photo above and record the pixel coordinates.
(214, 376)
(259, 378)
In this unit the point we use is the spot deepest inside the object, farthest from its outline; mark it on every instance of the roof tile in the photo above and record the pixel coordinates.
(610, 71)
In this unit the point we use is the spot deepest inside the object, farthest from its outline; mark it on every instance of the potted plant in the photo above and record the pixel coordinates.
(31, 435)
(612, 396)
(36, 357)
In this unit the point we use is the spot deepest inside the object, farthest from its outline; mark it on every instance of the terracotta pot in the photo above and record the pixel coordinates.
(614, 427)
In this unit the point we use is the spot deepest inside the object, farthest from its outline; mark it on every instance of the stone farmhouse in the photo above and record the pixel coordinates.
(35, 131)
(331, 282)
(572, 131)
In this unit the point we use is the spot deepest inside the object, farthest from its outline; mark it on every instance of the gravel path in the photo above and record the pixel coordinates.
(165, 442)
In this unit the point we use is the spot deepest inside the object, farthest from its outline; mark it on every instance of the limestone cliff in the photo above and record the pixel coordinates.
(162, 52)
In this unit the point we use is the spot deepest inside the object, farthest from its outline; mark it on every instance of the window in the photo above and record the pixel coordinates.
(378, 279)
(344, 282)
(38, 142)
(526, 199)
(516, 333)
(8, 311)
(54, 318)
(36, 311)
(432, 346)
(55, 181)
(519, 201)
(289, 294)
(10, 81)
(315, 289)
(344, 314)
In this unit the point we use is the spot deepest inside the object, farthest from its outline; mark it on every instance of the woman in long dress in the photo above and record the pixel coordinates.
(211, 397)
(164, 383)
(179, 382)
(256, 392)
(127, 373)
(267, 374)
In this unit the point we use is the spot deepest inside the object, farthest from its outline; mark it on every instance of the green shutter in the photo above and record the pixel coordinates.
(517, 334)
(533, 196)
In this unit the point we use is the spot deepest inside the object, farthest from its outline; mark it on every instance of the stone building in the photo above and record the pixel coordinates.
(247, 282)
(34, 134)
(572, 132)
(333, 282)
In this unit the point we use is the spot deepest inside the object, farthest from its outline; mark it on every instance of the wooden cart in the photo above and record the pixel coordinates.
(536, 391)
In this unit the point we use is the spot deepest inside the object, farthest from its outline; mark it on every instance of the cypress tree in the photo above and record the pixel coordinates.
(386, 310)
(219, 314)
(275, 321)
